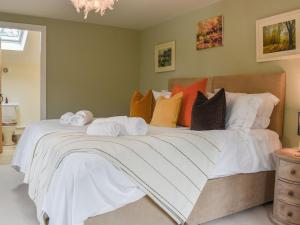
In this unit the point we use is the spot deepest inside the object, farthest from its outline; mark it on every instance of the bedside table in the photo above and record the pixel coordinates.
(286, 210)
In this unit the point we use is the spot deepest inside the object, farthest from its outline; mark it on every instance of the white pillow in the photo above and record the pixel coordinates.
(164, 93)
(231, 98)
(263, 116)
(264, 112)
(209, 95)
(242, 111)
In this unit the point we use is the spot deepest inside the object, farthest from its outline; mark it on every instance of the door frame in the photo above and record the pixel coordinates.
(43, 86)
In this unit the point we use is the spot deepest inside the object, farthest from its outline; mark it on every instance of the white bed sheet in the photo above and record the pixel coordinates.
(87, 185)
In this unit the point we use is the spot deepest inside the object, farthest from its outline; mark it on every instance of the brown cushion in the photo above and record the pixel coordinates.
(142, 106)
(209, 114)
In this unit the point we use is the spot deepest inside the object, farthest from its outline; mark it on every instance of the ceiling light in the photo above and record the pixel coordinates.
(90, 5)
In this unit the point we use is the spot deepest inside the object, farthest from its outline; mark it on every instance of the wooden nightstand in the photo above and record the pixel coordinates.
(286, 209)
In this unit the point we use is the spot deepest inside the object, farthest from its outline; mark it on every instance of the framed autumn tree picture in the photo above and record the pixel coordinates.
(277, 37)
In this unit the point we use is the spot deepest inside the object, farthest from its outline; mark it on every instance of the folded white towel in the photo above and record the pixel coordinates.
(111, 129)
(66, 118)
(82, 118)
(130, 125)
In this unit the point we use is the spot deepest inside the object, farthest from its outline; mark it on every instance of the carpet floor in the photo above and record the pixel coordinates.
(17, 209)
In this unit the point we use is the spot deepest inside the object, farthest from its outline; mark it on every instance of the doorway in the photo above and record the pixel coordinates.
(23, 81)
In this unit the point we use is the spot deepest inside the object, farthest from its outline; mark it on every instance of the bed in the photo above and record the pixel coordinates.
(220, 196)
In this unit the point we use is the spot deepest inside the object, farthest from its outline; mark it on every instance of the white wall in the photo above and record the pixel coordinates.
(22, 83)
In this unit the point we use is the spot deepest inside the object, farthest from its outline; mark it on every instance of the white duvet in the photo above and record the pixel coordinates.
(87, 185)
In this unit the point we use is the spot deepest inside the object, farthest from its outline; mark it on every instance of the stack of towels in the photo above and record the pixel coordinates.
(112, 126)
(81, 118)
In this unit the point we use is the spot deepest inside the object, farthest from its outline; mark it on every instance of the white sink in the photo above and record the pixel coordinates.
(10, 104)
(9, 112)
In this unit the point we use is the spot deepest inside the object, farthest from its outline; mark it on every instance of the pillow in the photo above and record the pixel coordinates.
(242, 112)
(209, 95)
(164, 93)
(166, 111)
(262, 120)
(142, 106)
(189, 97)
(263, 117)
(209, 114)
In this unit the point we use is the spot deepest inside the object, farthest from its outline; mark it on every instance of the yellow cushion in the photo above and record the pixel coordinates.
(142, 106)
(166, 111)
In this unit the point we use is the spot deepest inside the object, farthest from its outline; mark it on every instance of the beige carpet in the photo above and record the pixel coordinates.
(17, 209)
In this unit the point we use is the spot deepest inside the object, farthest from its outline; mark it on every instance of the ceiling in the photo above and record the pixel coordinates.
(134, 14)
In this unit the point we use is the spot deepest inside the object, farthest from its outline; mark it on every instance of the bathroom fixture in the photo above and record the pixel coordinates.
(9, 122)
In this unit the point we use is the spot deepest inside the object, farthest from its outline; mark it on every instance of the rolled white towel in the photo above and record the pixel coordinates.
(66, 118)
(136, 126)
(130, 125)
(117, 119)
(110, 129)
(82, 118)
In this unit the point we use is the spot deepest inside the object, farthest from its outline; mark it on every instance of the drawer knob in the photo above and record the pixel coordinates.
(291, 193)
(293, 172)
(290, 214)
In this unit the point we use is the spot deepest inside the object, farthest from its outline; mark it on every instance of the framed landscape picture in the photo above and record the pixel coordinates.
(210, 33)
(165, 57)
(278, 37)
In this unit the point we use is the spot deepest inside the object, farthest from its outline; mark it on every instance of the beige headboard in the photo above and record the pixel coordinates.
(273, 83)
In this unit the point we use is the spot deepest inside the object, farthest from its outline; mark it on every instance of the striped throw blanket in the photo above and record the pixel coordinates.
(171, 168)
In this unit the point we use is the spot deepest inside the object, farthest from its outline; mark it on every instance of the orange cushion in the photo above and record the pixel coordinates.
(142, 106)
(189, 97)
(166, 111)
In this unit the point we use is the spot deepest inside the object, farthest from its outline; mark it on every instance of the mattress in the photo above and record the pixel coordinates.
(87, 185)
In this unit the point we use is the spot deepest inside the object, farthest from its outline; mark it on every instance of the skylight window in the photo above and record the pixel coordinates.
(13, 39)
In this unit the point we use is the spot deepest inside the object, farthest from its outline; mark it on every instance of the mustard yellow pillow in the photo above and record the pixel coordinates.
(142, 106)
(166, 111)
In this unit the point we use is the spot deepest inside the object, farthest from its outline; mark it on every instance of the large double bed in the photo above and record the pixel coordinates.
(87, 186)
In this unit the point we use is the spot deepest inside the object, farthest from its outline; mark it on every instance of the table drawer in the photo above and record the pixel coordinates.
(287, 213)
(288, 192)
(289, 171)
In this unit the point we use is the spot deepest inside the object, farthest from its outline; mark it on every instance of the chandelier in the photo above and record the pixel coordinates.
(90, 5)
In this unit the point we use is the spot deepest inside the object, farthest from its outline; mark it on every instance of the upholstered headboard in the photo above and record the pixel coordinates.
(273, 83)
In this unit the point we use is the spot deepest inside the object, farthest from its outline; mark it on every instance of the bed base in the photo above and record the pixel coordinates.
(220, 197)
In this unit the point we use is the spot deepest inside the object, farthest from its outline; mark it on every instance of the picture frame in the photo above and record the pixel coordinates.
(210, 33)
(165, 57)
(278, 37)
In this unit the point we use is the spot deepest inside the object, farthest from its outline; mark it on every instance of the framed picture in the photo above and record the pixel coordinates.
(278, 37)
(165, 57)
(210, 33)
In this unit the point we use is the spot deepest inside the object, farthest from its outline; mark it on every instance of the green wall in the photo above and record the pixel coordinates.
(98, 67)
(88, 66)
(237, 56)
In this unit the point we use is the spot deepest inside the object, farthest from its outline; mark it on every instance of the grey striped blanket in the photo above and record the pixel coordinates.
(171, 168)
